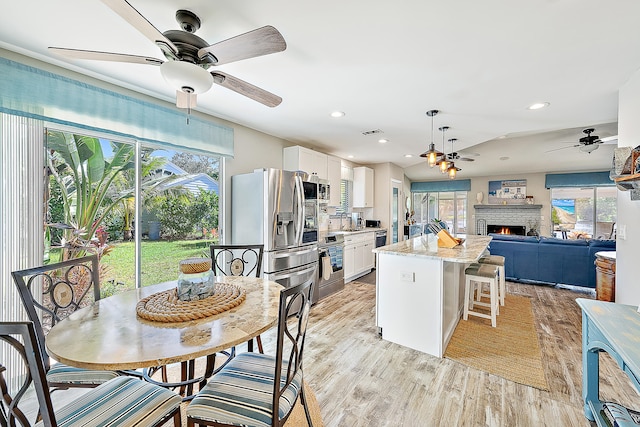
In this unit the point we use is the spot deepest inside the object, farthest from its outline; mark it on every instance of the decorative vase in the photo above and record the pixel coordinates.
(479, 197)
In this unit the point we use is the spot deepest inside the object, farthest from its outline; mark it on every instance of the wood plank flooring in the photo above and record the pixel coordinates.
(361, 380)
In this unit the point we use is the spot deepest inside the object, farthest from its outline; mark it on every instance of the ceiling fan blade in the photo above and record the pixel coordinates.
(465, 159)
(104, 56)
(609, 140)
(259, 42)
(563, 148)
(140, 23)
(246, 89)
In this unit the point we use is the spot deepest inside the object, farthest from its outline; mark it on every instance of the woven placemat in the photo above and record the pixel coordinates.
(166, 307)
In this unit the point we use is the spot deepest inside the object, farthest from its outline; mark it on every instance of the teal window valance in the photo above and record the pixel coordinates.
(441, 186)
(30, 92)
(582, 179)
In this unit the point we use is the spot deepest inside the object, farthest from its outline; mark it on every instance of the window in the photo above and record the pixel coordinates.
(346, 194)
(584, 212)
(150, 210)
(450, 207)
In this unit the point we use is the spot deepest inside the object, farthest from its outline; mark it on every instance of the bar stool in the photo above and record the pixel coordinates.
(481, 274)
(498, 261)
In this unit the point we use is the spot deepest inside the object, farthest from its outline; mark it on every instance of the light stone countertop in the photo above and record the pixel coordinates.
(362, 230)
(427, 246)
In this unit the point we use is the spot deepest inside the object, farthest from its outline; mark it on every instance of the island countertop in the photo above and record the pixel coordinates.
(427, 246)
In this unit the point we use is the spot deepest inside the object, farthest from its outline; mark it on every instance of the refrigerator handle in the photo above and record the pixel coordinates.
(299, 202)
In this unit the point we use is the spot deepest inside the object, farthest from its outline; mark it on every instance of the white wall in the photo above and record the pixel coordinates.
(383, 174)
(628, 249)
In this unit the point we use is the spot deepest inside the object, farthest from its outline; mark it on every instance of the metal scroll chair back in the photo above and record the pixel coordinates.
(119, 401)
(239, 393)
(237, 260)
(52, 292)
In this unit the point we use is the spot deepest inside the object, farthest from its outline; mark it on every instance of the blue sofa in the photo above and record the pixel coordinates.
(549, 260)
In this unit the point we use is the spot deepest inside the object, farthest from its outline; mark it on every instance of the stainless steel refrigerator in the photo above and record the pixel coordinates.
(278, 209)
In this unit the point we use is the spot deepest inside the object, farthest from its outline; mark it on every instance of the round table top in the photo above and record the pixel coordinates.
(109, 335)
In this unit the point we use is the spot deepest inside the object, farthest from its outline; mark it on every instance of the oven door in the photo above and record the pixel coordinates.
(330, 270)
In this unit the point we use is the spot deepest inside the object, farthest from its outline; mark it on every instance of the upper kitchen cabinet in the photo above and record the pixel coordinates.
(334, 175)
(362, 187)
(300, 158)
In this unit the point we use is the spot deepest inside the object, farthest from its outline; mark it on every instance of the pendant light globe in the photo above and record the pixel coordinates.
(431, 154)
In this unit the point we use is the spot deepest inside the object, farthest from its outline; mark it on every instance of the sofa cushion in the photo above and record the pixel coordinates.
(563, 242)
(514, 238)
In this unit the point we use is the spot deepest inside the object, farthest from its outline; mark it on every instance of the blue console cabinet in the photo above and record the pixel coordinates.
(614, 328)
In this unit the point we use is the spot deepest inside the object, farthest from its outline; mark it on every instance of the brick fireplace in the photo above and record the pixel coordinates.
(514, 218)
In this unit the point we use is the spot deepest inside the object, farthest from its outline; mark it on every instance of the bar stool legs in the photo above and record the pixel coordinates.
(481, 274)
(497, 260)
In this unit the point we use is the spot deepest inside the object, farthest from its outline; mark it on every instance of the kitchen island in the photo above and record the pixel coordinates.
(420, 290)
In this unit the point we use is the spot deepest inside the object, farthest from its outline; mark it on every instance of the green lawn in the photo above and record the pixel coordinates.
(159, 262)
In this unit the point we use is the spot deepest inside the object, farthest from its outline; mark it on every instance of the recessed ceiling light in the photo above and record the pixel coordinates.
(504, 158)
(383, 141)
(337, 114)
(538, 105)
(350, 156)
(408, 155)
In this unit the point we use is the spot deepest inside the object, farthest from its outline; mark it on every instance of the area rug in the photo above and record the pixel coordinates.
(511, 350)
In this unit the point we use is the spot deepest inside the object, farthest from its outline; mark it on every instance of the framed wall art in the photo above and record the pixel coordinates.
(507, 192)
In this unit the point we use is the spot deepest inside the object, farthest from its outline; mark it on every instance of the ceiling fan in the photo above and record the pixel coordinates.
(188, 57)
(589, 143)
(455, 156)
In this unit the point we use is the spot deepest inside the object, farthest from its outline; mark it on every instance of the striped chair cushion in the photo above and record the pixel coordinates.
(122, 401)
(241, 393)
(65, 374)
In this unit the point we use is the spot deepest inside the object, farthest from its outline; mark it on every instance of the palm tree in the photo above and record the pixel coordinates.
(78, 164)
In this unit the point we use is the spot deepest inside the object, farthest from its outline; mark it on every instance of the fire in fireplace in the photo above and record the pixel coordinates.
(507, 229)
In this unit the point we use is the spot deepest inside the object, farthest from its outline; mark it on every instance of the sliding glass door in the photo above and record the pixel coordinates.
(141, 208)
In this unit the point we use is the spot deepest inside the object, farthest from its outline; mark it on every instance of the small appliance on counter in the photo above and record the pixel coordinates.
(372, 223)
(356, 220)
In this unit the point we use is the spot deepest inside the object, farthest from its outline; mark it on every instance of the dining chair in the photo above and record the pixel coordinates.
(49, 294)
(238, 260)
(121, 401)
(257, 389)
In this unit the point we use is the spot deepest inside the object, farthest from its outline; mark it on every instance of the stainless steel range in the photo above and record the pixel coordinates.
(330, 271)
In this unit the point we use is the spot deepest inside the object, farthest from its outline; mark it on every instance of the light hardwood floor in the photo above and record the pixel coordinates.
(361, 380)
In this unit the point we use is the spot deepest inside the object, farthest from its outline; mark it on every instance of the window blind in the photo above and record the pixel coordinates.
(441, 186)
(30, 92)
(584, 179)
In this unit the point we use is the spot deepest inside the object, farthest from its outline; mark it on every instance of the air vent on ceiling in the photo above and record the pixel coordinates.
(372, 132)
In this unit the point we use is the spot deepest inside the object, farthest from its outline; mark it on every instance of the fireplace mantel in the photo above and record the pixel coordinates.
(522, 206)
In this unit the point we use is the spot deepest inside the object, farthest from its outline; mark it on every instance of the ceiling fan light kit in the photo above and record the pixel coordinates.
(431, 154)
(588, 148)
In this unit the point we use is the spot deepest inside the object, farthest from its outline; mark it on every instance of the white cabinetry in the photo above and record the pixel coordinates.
(362, 187)
(304, 159)
(334, 175)
(357, 256)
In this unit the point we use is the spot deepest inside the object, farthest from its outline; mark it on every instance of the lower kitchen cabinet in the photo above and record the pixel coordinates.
(358, 258)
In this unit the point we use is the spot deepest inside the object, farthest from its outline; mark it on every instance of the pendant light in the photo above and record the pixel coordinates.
(444, 164)
(431, 154)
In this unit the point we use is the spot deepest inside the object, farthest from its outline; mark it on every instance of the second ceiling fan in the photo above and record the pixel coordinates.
(188, 57)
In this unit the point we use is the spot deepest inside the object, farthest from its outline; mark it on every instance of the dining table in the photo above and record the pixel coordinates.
(109, 334)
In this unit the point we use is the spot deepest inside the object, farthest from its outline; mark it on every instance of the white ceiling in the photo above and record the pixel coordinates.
(481, 63)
